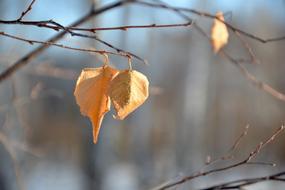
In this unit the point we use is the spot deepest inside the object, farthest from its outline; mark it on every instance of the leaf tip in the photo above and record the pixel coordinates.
(219, 33)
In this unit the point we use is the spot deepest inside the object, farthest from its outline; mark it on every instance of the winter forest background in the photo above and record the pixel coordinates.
(199, 102)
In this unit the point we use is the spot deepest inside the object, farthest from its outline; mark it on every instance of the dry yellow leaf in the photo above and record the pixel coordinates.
(91, 93)
(128, 90)
(219, 33)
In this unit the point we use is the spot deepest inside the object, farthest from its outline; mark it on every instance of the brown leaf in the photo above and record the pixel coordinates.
(91, 93)
(128, 90)
(219, 33)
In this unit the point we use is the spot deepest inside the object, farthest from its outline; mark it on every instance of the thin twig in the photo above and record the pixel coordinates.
(207, 15)
(182, 9)
(237, 184)
(251, 156)
(229, 154)
(32, 42)
(30, 56)
(237, 142)
(261, 163)
(259, 84)
(51, 24)
(245, 44)
(27, 10)
(56, 26)
(125, 28)
(119, 50)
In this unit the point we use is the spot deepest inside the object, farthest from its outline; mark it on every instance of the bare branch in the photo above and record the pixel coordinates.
(125, 28)
(259, 84)
(30, 56)
(251, 156)
(179, 11)
(55, 26)
(32, 42)
(207, 15)
(119, 50)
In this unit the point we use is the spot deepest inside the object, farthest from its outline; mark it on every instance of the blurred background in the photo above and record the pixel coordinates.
(199, 102)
